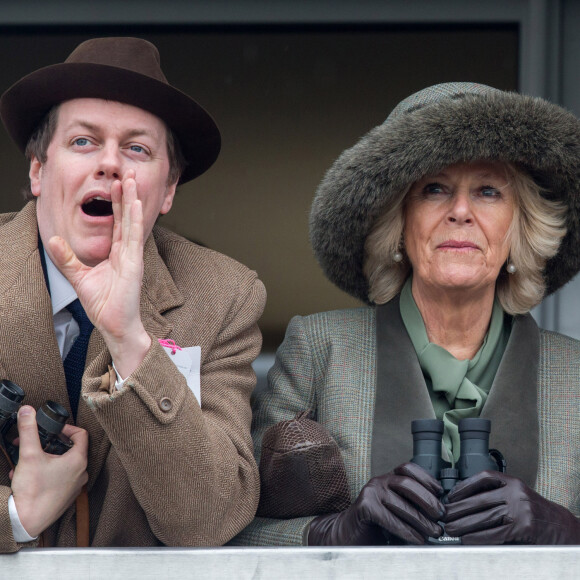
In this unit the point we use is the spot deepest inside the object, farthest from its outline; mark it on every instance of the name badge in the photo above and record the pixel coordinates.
(188, 362)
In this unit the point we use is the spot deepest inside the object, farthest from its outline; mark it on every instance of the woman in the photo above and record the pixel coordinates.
(451, 220)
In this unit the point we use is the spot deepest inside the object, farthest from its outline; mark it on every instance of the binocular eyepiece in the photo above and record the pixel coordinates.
(474, 456)
(50, 419)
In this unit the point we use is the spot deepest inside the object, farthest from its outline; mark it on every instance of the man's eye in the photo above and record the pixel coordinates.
(81, 141)
(138, 149)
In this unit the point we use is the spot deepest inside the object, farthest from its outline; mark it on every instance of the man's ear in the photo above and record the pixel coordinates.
(168, 200)
(35, 174)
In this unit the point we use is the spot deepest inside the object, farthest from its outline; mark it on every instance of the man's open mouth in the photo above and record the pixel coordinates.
(98, 207)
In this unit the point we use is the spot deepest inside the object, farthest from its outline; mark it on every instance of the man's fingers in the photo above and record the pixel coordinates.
(65, 259)
(78, 436)
(72, 431)
(129, 187)
(27, 431)
(117, 201)
(135, 236)
(127, 211)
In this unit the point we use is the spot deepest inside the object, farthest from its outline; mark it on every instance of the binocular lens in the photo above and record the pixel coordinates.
(51, 416)
(11, 395)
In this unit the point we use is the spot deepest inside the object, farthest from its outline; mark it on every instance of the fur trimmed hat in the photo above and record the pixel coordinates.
(428, 131)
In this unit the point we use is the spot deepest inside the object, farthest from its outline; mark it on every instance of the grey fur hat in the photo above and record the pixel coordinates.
(431, 129)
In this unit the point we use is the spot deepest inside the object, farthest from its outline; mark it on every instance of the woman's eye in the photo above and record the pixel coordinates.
(433, 188)
(490, 192)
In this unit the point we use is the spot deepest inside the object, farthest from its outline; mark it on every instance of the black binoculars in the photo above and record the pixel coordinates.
(474, 456)
(50, 419)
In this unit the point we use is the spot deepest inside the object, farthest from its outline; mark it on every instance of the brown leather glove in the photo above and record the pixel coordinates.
(494, 508)
(399, 507)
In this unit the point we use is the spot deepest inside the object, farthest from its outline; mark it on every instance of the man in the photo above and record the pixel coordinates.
(175, 326)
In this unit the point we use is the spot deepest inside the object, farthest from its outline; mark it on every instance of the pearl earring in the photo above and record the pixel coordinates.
(511, 268)
(397, 256)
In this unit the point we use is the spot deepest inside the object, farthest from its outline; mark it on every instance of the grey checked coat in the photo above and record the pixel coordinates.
(357, 370)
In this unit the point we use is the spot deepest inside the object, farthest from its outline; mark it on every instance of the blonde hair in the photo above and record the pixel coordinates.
(537, 229)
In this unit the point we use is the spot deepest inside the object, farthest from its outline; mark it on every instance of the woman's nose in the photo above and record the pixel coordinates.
(460, 210)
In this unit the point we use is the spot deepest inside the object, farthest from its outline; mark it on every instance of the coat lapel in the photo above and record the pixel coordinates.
(29, 352)
(159, 293)
(401, 392)
(512, 402)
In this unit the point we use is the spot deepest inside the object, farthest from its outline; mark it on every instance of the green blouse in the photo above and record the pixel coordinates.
(458, 388)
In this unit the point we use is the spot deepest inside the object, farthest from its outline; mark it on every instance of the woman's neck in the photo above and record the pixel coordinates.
(455, 320)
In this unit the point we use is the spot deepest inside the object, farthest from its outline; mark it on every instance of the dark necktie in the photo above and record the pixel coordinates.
(74, 363)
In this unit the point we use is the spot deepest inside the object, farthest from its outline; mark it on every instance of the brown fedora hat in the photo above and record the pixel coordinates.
(121, 69)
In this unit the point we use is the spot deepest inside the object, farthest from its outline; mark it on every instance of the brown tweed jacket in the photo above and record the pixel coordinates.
(357, 370)
(178, 476)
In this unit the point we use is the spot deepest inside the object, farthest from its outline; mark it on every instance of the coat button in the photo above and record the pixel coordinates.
(165, 404)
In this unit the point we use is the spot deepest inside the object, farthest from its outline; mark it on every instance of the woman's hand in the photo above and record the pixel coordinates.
(494, 508)
(402, 505)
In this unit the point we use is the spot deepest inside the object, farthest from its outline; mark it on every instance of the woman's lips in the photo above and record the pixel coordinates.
(457, 245)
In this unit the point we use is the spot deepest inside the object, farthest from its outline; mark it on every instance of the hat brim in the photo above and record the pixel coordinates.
(539, 137)
(25, 103)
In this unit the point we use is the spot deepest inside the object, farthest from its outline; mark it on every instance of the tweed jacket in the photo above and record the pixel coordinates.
(358, 371)
(168, 474)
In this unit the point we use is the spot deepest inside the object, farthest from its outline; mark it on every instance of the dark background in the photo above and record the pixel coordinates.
(288, 100)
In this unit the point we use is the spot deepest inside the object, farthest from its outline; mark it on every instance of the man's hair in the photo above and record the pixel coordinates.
(537, 229)
(39, 141)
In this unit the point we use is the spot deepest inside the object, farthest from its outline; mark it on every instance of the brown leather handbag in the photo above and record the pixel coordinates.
(301, 471)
